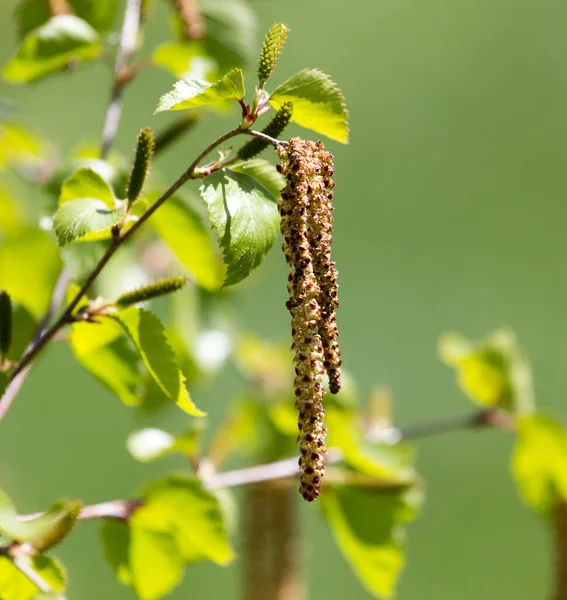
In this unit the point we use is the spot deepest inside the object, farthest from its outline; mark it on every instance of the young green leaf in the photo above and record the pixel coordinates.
(104, 351)
(179, 505)
(367, 526)
(148, 335)
(142, 162)
(271, 48)
(262, 171)
(115, 538)
(274, 129)
(87, 183)
(185, 60)
(153, 290)
(59, 528)
(14, 585)
(193, 93)
(539, 462)
(147, 445)
(79, 218)
(29, 268)
(5, 324)
(318, 103)
(52, 47)
(244, 214)
(183, 229)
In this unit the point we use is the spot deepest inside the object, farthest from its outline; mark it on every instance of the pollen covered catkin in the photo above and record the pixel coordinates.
(306, 224)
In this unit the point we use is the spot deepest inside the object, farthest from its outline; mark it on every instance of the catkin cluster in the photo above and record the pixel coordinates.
(307, 224)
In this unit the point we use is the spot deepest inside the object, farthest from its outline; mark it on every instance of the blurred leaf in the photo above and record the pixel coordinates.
(193, 93)
(29, 268)
(6, 324)
(150, 444)
(51, 47)
(14, 585)
(179, 505)
(77, 219)
(539, 462)
(87, 183)
(60, 527)
(245, 217)
(18, 145)
(185, 59)
(493, 372)
(148, 335)
(184, 231)
(3, 383)
(264, 172)
(156, 564)
(366, 525)
(318, 103)
(23, 329)
(115, 537)
(103, 350)
(230, 32)
(30, 14)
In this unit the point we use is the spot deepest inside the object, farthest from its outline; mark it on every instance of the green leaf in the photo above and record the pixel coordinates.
(77, 219)
(14, 585)
(156, 563)
(245, 217)
(193, 93)
(147, 445)
(183, 229)
(186, 60)
(492, 372)
(60, 527)
(180, 506)
(30, 14)
(148, 335)
(318, 103)
(87, 183)
(19, 146)
(264, 172)
(51, 47)
(539, 462)
(29, 268)
(23, 329)
(366, 525)
(115, 538)
(104, 351)
(3, 383)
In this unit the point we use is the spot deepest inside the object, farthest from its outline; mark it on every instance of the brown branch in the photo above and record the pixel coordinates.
(193, 24)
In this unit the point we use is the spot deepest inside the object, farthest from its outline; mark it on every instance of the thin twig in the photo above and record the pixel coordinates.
(126, 48)
(275, 143)
(25, 569)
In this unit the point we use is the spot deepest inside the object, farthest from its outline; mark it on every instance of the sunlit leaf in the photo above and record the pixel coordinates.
(18, 145)
(115, 537)
(245, 217)
(51, 47)
(148, 335)
(14, 585)
(193, 93)
(184, 230)
(318, 103)
(367, 526)
(187, 60)
(264, 172)
(180, 506)
(87, 183)
(539, 462)
(147, 445)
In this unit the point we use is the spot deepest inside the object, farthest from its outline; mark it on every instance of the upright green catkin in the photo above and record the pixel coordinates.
(271, 48)
(273, 129)
(142, 162)
(153, 290)
(306, 223)
(5, 324)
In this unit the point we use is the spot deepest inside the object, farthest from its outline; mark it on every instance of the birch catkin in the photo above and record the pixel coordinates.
(306, 225)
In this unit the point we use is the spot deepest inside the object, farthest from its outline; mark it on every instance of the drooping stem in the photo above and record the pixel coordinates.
(271, 562)
(560, 551)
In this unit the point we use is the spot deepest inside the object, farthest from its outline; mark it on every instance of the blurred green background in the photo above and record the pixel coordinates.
(449, 215)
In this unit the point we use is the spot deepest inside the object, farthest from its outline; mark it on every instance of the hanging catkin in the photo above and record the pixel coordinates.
(306, 225)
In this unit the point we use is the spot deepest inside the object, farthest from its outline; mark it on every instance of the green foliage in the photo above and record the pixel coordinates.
(5, 324)
(274, 129)
(368, 527)
(100, 14)
(194, 93)
(148, 335)
(142, 162)
(52, 47)
(151, 444)
(184, 230)
(14, 585)
(493, 372)
(24, 326)
(318, 103)
(184, 59)
(539, 462)
(271, 48)
(87, 182)
(244, 214)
